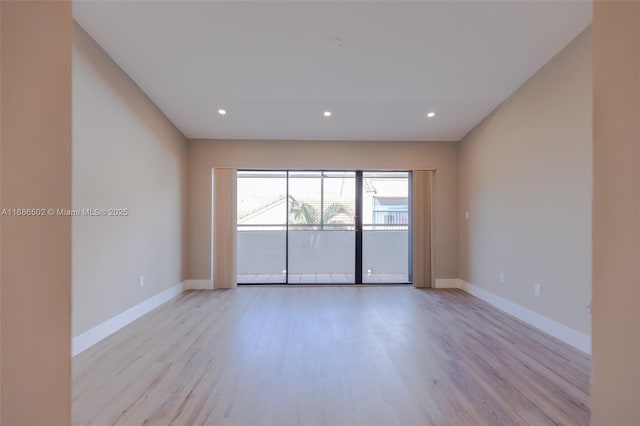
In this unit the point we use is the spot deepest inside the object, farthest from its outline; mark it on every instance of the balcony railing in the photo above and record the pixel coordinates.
(392, 217)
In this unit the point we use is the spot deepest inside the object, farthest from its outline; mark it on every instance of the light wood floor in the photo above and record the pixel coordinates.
(330, 356)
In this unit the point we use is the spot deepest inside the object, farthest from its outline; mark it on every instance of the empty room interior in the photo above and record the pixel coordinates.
(320, 213)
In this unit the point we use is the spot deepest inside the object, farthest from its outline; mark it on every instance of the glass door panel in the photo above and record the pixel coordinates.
(321, 227)
(262, 227)
(385, 228)
(331, 227)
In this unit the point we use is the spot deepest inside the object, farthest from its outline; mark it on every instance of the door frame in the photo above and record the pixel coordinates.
(358, 225)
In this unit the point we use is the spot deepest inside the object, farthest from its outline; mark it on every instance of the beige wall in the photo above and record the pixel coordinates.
(1, 205)
(207, 154)
(616, 215)
(35, 263)
(126, 154)
(525, 178)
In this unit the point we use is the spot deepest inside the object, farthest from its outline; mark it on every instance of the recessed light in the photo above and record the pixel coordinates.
(327, 113)
(431, 114)
(222, 111)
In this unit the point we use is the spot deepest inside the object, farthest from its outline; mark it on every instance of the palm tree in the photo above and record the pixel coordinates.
(333, 210)
(302, 213)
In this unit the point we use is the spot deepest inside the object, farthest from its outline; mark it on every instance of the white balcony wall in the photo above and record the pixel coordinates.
(261, 252)
(385, 252)
(321, 252)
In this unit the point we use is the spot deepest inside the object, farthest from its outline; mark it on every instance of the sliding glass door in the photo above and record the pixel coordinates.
(323, 227)
(385, 227)
(262, 227)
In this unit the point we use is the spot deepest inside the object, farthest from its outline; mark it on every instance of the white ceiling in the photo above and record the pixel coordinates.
(271, 66)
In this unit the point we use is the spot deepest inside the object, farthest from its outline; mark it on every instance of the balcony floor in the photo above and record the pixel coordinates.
(321, 279)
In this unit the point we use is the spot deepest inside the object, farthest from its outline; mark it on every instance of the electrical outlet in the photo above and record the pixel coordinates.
(537, 289)
(502, 279)
(141, 282)
(467, 215)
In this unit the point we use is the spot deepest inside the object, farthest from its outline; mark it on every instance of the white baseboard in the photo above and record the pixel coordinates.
(91, 337)
(198, 285)
(447, 283)
(560, 331)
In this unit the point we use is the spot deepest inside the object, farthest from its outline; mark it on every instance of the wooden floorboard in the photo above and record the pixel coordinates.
(330, 356)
